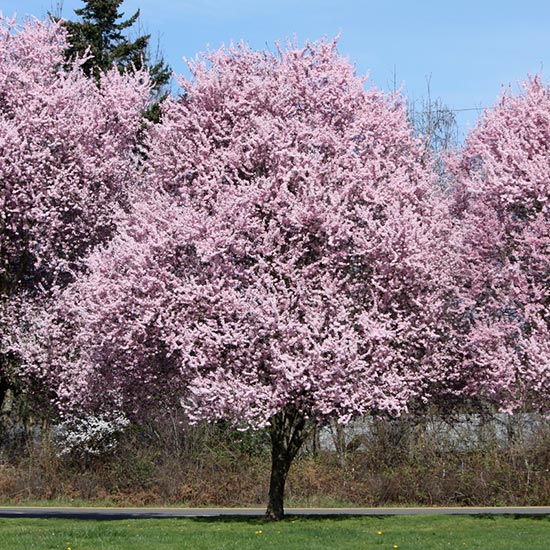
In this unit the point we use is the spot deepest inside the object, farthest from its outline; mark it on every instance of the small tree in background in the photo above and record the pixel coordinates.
(292, 266)
(436, 123)
(99, 36)
(67, 163)
(502, 194)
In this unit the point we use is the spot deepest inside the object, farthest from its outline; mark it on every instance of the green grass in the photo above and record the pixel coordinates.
(407, 533)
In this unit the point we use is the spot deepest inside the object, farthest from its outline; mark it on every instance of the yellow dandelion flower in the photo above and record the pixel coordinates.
(259, 532)
(379, 533)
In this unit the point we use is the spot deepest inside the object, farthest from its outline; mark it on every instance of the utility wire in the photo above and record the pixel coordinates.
(459, 110)
(448, 110)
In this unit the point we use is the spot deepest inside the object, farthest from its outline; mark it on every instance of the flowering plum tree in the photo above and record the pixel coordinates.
(287, 266)
(502, 180)
(66, 160)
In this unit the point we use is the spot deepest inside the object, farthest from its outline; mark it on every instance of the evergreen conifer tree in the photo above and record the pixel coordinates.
(100, 31)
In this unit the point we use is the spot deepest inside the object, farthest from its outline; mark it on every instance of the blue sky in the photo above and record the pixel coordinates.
(467, 49)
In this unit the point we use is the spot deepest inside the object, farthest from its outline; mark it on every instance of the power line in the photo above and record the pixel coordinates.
(468, 109)
(449, 110)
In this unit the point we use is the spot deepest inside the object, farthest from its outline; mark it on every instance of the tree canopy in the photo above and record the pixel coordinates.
(67, 163)
(501, 195)
(67, 152)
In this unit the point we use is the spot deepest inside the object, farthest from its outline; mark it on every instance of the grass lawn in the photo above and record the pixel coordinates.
(377, 533)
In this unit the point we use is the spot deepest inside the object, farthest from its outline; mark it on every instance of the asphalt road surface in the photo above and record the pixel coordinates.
(145, 513)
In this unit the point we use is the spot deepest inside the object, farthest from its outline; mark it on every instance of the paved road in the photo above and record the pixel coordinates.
(144, 513)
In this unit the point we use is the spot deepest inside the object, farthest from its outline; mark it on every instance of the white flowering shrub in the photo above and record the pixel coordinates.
(91, 435)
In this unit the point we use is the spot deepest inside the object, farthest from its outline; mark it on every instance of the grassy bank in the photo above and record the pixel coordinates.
(391, 533)
(396, 464)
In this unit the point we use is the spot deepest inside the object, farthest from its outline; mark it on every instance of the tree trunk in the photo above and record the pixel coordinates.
(287, 431)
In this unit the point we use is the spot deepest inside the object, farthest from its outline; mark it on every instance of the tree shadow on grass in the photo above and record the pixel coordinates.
(256, 518)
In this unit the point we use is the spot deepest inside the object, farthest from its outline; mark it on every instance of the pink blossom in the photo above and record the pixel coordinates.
(501, 196)
(292, 252)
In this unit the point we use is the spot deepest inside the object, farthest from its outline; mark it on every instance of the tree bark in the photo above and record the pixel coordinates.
(287, 431)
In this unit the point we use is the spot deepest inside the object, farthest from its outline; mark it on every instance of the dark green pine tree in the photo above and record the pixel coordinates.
(100, 30)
